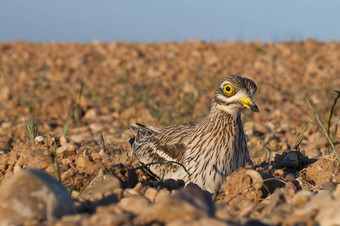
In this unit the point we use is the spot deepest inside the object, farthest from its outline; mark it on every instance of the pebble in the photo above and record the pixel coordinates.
(63, 140)
(138, 187)
(322, 200)
(163, 193)
(16, 168)
(188, 203)
(290, 177)
(84, 161)
(100, 185)
(302, 197)
(96, 127)
(66, 148)
(135, 205)
(78, 138)
(90, 114)
(329, 216)
(336, 192)
(39, 139)
(280, 173)
(150, 194)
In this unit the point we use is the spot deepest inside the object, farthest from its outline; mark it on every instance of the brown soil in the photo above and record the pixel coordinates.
(105, 87)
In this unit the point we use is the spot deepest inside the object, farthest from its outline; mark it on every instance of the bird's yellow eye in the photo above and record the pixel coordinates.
(229, 89)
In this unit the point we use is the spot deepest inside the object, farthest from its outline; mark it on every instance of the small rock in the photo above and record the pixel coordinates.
(36, 159)
(39, 139)
(67, 148)
(138, 186)
(280, 173)
(100, 185)
(329, 215)
(194, 195)
(329, 186)
(313, 153)
(16, 168)
(95, 155)
(302, 197)
(163, 193)
(188, 204)
(291, 159)
(290, 177)
(96, 127)
(102, 153)
(135, 205)
(224, 215)
(33, 195)
(336, 193)
(84, 161)
(90, 114)
(322, 200)
(150, 194)
(63, 140)
(131, 192)
(78, 138)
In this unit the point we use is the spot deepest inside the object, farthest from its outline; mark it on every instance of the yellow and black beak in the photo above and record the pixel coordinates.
(249, 103)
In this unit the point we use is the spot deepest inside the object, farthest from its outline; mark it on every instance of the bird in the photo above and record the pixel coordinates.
(203, 152)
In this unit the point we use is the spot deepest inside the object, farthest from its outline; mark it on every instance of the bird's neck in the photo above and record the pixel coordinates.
(218, 111)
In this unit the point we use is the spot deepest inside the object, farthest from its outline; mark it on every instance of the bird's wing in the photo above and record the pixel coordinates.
(168, 144)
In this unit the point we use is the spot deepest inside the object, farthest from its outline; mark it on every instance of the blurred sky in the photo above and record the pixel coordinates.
(173, 20)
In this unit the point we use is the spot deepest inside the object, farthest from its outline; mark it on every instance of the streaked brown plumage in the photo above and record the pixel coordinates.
(210, 149)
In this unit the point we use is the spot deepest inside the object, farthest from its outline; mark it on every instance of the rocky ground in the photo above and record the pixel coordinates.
(83, 97)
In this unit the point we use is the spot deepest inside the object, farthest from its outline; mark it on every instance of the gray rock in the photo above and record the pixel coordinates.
(100, 185)
(33, 195)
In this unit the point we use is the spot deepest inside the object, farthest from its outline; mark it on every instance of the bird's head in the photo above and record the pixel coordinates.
(235, 93)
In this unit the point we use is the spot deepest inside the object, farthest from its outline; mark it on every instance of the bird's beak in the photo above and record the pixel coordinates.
(249, 103)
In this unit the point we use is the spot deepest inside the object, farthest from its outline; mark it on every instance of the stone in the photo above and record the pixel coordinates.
(168, 210)
(188, 203)
(36, 159)
(330, 215)
(63, 140)
(302, 197)
(290, 177)
(83, 161)
(163, 193)
(33, 195)
(97, 127)
(66, 148)
(329, 186)
(150, 194)
(78, 138)
(90, 114)
(336, 192)
(101, 185)
(135, 205)
(39, 139)
(322, 200)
